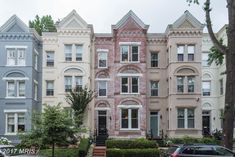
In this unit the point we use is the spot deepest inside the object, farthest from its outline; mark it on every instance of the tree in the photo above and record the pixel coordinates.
(229, 53)
(43, 24)
(79, 99)
(52, 127)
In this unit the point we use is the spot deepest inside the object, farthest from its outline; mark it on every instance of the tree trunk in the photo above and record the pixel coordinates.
(53, 149)
(230, 81)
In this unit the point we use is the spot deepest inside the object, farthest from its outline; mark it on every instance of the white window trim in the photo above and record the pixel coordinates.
(106, 86)
(15, 119)
(106, 60)
(129, 75)
(101, 108)
(128, 56)
(128, 83)
(130, 43)
(15, 78)
(17, 90)
(186, 118)
(102, 79)
(36, 61)
(129, 119)
(73, 80)
(102, 50)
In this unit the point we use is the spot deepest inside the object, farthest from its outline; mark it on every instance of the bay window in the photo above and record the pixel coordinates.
(129, 53)
(15, 56)
(185, 118)
(15, 123)
(15, 88)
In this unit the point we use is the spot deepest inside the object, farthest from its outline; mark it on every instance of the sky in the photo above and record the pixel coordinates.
(103, 13)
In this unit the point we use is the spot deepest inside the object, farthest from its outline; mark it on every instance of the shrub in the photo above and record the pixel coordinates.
(131, 144)
(191, 140)
(4, 141)
(150, 152)
(59, 152)
(83, 147)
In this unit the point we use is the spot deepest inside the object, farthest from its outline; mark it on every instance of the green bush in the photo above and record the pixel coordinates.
(59, 152)
(191, 140)
(83, 147)
(150, 152)
(131, 144)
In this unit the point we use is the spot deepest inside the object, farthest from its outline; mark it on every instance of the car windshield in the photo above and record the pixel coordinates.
(223, 151)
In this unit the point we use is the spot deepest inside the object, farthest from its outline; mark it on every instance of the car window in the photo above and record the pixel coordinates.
(171, 150)
(223, 151)
(204, 151)
(188, 150)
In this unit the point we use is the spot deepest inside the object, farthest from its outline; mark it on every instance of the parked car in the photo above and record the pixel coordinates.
(198, 150)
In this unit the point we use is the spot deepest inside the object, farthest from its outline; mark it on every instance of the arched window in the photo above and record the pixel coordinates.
(73, 79)
(15, 83)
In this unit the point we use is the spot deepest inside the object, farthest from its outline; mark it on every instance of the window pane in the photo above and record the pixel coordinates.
(190, 118)
(191, 81)
(68, 52)
(11, 89)
(21, 122)
(206, 88)
(191, 49)
(205, 57)
(154, 88)
(10, 122)
(68, 83)
(221, 87)
(102, 88)
(50, 88)
(124, 85)
(135, 55)
(135, 84)
(78, 83)
(124, 53)
(11, 56)
(180, 118)
(21, 88)
(50, 58)
(102, 59)
(180, 52)
(134, 118)
(180, 84)
(190, 57)
(154, 59)
(21, 56)
(124, 118)
(78, 52)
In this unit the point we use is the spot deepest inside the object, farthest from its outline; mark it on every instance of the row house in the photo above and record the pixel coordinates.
(20, 77)
(67, 61)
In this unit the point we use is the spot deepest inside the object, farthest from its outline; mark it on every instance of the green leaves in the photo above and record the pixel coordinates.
(215, 55)
(44, 24)
(193, 1)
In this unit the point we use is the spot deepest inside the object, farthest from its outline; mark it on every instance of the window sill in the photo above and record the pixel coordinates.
(130, 129)
(10, 134)
(15, 65)
(15, 97)
(129, 93)
(102, 96)
(102, 67)
(129, 62)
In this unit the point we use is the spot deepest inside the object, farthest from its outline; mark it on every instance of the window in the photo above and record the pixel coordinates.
(78, 52)
(180, 84)
(221, 86)
(154, 59)
(130, 119)
(185, 118)
(36, 61)
(50, 58)
(191, 81)
(15, 56)
(206, 88)
(102, 59)
(191, 49)
(16, 88)
(180, 53)
(35, 91)
(124, 85)
(102, 88)
(222, 151)
(205, 57)
(68, 83)
(154, 88)
(49, 88)
(129, 53)
(130, 84)
(208, 151)
(72, 82)
(68, 52)
(15, 123)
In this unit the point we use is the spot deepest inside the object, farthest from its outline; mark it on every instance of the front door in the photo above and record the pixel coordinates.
(206, 123)
(154, 130)
(102, 119)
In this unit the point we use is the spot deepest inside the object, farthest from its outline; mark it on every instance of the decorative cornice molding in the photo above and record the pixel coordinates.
(156, 40)
(189, 32)
(16, 36)
(131, 34)
(75, 32)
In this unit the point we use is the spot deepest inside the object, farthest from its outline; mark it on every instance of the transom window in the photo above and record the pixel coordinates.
(185, 117)
(129, 53)
(50, 58)
(129, 118)
(102, 59)
(130, 84)
(154, 59)
(16, 56)
(15, 123)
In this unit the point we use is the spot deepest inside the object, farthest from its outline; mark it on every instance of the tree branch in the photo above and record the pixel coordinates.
(222, 49)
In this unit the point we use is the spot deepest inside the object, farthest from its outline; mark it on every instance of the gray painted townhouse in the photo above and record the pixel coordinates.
(20, 77)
